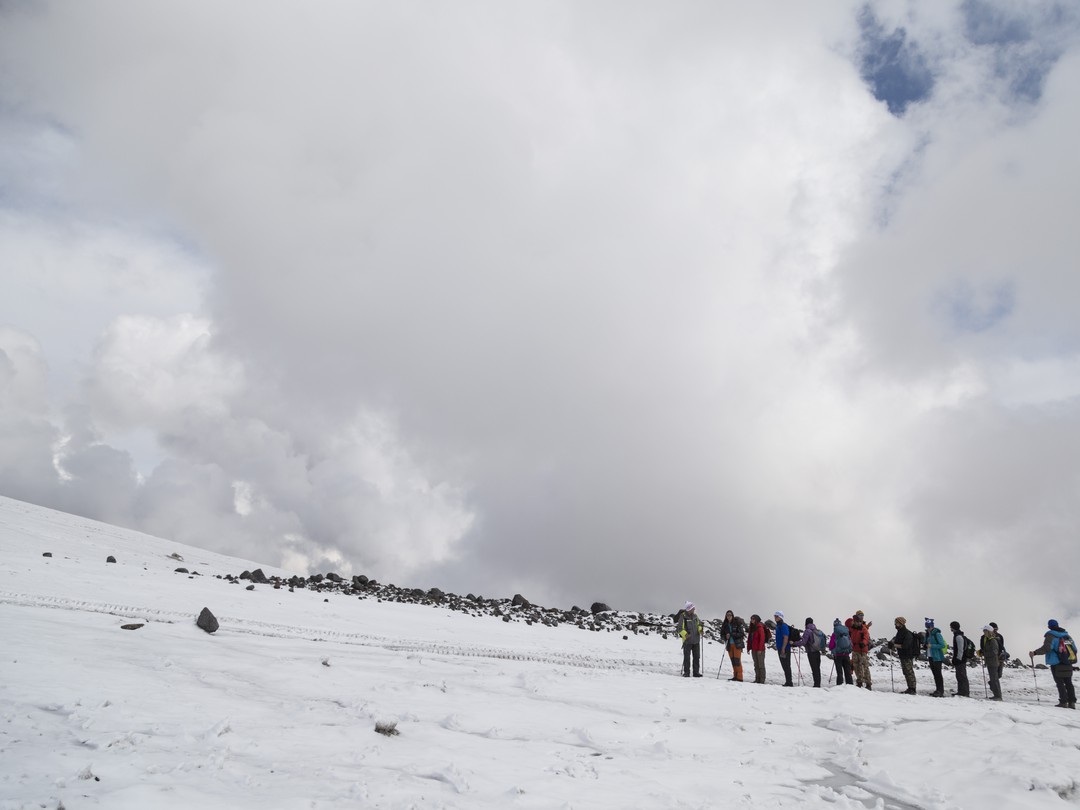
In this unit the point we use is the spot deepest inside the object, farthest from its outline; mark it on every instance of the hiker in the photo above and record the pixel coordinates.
(783, 646)
(813, 641)
(1061, 670)
(935, 654)
(690, 629)
(989, 654)
(906, 645)
(757, 633)
(840, 644)
(1003, 654)
(860, 649)
(733, 635)
(959, 664)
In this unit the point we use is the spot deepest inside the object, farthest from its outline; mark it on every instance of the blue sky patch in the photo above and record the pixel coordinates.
(892, 65)
(978, 309)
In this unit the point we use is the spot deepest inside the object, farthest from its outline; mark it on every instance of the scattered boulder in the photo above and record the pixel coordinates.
(131, 626)
(249, 588)
(334, 577)
(520, 601)
(180, 571)
(258, 577)
(110, 559)
(600, 607)
(207, 621)
(47, 554)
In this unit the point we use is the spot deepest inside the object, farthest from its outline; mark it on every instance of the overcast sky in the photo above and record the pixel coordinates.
(760, 305)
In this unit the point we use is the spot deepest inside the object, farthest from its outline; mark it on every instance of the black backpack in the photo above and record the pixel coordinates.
(796, 633)
(969, 649)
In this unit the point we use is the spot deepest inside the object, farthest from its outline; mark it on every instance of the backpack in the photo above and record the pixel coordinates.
(737, 632)
(768, 633)
(843, 644)
(969, 649)
(1066, 650)
(914, 644)
(795, 633)
(819, 643)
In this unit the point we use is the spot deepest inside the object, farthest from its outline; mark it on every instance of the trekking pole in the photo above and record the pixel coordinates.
(832, 666)
(798, 663)
(1037, 698)
(721, 664)
(982, 663)
(892, 678)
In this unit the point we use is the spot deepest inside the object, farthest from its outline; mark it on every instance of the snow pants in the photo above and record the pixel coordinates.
(691, 651)
(995, 679)
(1063, 680)
(814, 657)
(759, 665)
(908, 666)
(785, 664)
(962, 688)
(843, 669)
(861, 662)
(939, 679)
(735, 654)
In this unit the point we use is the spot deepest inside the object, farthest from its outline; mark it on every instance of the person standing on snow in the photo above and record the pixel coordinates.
(959, 664)
(906, 646)
(783, 646)
(1003, 654)
(812, 641)
(1062, 670)
(756, 632)
(989, 653)
(733, 635)
(690, 630)
(935, 654)
(860, 649)
(840, 644)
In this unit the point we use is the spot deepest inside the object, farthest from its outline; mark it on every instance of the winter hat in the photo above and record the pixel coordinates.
(929, 622)
(859, 613)
(900, 620)
(987, 628)
(836, 622)
(779, 614)
(994, 625)
(688, 606)
(809, 621)
(1052, 624)
(954, 625)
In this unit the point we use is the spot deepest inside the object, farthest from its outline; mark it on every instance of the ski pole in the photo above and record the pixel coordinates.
(721, 664)
(1036, 680)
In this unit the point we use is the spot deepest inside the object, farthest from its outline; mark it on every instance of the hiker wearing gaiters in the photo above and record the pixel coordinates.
(1060, 651)
(690, 629)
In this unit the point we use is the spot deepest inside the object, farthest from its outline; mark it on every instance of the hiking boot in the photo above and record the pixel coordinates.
(937, 694)
(697, 674)
(1072, 703)
(1062, 705)
(995, 697)
(868, 688)
(858, 684)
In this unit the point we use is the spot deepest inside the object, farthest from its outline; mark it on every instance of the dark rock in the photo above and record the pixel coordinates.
(245, 575)
(520, 601)
(600, 607)
(249, 588)
(47, 554)
(207, 621)
(334, 577)
(436, 594)
(259, 577)
(131, 626)
(180, 571)
(316, 578)
(359, 581)
(110, 559)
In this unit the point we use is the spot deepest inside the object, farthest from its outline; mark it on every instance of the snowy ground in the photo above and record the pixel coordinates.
(278, 708)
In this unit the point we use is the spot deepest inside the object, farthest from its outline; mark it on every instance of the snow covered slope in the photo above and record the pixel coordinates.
(279, 707)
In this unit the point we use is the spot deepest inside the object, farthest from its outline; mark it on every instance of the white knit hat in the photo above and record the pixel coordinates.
(689, 606)
(779, 614)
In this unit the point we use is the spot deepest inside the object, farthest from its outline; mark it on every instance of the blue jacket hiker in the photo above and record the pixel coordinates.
(1060, 652)
(783, 646)
(935, 654)
(840, 644)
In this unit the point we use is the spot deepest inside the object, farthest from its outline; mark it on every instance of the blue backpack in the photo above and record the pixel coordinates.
(843, 641)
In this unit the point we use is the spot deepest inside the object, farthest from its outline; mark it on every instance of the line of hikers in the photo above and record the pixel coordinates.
(850, 643)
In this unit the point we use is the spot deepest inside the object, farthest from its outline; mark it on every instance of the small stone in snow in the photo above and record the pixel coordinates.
(47, 554)
(110, 559)
(207, 621)
(131, 626)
